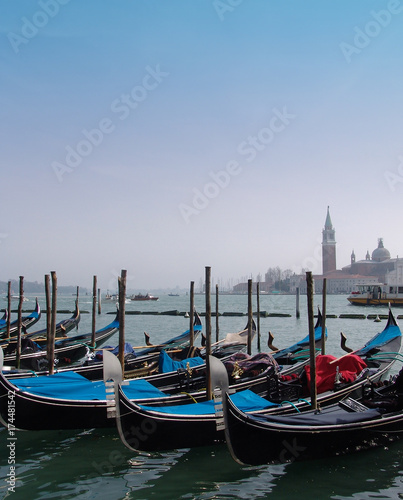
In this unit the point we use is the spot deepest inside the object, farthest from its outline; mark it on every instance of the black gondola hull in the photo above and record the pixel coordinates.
(253, 442)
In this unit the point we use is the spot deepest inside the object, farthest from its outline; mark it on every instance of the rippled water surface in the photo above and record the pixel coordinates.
(95, 464)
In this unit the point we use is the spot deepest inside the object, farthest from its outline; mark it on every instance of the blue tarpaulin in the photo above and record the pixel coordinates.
(72, 386)
(167, 364)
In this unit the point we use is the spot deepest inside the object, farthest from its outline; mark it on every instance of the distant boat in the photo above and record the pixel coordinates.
(139, 296)
(377, 294)
(111, 296)
(16, 297)
(173, 294)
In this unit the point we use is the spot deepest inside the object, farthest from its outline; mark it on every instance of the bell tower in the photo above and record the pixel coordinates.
(328, 246)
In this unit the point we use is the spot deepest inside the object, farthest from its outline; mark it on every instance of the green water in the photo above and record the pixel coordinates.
(95, 464)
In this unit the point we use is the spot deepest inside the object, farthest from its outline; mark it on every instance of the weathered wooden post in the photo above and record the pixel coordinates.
(258, 314)
(217, 329)
(18, 347)
(250, 317)
(48, 306)
(99, 301)
(312, 352)
(122, 300)
(208, 331)
(191, 313)
(297, 312)
(94, 308)
(324, 316)
(52, 333)
(8, 308)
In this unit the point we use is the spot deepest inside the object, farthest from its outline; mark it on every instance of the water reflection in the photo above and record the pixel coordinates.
(94, 464)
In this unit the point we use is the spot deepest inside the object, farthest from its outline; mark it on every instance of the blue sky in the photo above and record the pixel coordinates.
(165, 136)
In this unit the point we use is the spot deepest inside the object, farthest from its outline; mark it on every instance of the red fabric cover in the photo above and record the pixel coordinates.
(349, 367)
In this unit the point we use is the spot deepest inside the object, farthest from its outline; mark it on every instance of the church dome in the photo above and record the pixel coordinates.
(381, 253)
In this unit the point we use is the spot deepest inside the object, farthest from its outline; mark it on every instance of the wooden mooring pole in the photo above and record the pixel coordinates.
(258, 314)
(122, 301)
(94, 308)
(312, 353)
(208, 331)
(99, 301)
(217, 314)
(8, 308)
(48, 305)
(52, 333)
(191, 313)
(250, 317)
(297, 312)
(18, 347)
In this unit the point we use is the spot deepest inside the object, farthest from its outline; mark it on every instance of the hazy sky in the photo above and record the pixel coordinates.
(163, 136)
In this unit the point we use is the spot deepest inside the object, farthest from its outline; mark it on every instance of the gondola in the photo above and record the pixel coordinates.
(137, 362)
(3, 319)
(67, 400)
(26, 322)
(346, 427)
(195, 424)
(39, 336)
(67, 349)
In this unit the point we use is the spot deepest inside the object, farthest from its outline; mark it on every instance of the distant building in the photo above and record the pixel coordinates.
(378, 263)
(328, 246)
(336, 282)
(375, 268)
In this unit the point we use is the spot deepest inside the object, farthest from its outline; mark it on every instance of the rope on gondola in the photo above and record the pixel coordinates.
(292, 404)
(306, 355)
(187, 394)
(384, 356)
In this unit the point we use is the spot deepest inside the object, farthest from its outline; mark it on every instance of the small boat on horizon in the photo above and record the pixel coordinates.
(16, 297)
(140, 296)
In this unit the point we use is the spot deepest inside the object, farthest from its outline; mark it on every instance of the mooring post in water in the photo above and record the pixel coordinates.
(297, 313)
(8, 308)
(52, 333)
(77, 292)
(191, 314)
(217, 329)
(258, 314)
(122, 300)
(323, 339)
(99, 301)
(208, 331)
(18, 347)
(250, 317)
(94, 308)
(312, 353)
(48, 306)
